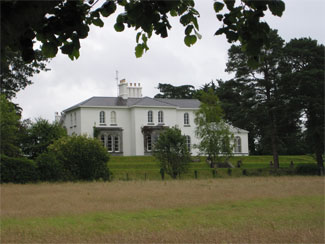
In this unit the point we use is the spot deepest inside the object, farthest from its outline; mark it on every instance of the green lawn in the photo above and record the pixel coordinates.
(146, 167)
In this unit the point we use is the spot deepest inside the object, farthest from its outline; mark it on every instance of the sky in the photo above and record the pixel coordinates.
(168, 60)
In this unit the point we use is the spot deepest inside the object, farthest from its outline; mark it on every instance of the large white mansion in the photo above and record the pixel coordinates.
(129, 124)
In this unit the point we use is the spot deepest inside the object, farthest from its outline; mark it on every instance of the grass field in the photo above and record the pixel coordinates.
(146, 167)
(240, 210)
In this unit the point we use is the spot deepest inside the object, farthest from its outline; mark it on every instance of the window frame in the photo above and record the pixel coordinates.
(160, 117)
(109, 143)
(186, 119)
(116, 144)
(188, 143)
(238, 144)
(113, 118)
(149, 143)
(102, 117)
(150, 116)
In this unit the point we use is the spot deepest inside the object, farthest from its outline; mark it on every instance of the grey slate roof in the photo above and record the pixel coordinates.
(144, 101)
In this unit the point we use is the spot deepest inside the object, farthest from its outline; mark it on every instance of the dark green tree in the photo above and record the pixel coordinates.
(265, 81)
(171, 151)
(214, 134)
(39, 135)
(170, 91)
(16, 75)
(9, 128)
(302, 70)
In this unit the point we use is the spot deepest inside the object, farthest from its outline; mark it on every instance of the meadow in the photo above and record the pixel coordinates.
(287, 209)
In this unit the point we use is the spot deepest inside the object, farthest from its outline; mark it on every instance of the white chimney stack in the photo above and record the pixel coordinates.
(131, 90)
(57, 117)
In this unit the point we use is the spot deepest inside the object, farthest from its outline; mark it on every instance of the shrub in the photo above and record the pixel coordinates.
(18, 170)
(49, 168)
(82, 158)
(307, 169)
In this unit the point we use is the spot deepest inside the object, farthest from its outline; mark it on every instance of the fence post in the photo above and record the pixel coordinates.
(127, 176)
(195, 174)
(145, 176)
(162, 173)
(214, 172)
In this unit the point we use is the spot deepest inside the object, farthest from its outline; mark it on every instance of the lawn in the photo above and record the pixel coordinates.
(146, 167)
(241, 210)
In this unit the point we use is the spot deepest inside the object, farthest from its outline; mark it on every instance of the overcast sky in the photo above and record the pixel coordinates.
(168, 60)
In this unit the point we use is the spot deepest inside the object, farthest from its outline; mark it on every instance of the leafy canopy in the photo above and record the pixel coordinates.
(171, 151)
(61, 24)
(214, 134)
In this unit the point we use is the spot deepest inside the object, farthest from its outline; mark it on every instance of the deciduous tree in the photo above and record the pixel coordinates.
(214, 134)
(171, 151)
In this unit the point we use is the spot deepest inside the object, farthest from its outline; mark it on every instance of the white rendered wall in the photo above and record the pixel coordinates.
(131, 120)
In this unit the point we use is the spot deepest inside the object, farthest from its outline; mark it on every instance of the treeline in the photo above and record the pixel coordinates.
(280, 102)
(42, 151)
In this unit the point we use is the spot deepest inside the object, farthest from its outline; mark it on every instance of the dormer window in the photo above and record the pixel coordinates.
(102, 117)
(113, 118)
(150, 117)
(160, 117)
(186, 119)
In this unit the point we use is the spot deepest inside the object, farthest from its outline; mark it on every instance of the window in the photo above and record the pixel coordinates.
(109, 144)
(188, 143)
(186, 119)
(237, 144)
(116, 144)
(102, 138)
(149, 144)
(150, 117)
(160, 117)
(102, 117)
(113, 117)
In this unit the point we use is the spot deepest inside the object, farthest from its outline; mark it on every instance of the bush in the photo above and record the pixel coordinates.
(49, 168)
(81, 158)
(18, 170)
(307, 169)
(172, 153)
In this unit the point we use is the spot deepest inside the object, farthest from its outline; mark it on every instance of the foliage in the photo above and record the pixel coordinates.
(171, 152)
(17, 170)
(49, 168)
(215, 136)
(15, 74)
(178, 92)
(303, 72)
(308, 169)
(81, 158)
(39, 135)
(9, 128)
(61, 24)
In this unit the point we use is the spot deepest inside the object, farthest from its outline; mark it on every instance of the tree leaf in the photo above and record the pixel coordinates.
(190, 40)
(276, 7)
(218, 6)
(119, 27)
(98, 22)
(49, 50)
(189, 29)
(139, 51)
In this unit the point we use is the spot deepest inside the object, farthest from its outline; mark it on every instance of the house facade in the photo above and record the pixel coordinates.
(130, 124)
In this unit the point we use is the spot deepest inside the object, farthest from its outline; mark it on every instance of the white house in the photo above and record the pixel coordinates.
(129, 124)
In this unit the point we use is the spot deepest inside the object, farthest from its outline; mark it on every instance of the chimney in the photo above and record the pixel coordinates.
(129, 90)
(123, 91)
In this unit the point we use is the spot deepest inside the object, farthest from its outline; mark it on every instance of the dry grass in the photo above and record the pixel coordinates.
(272, 209)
